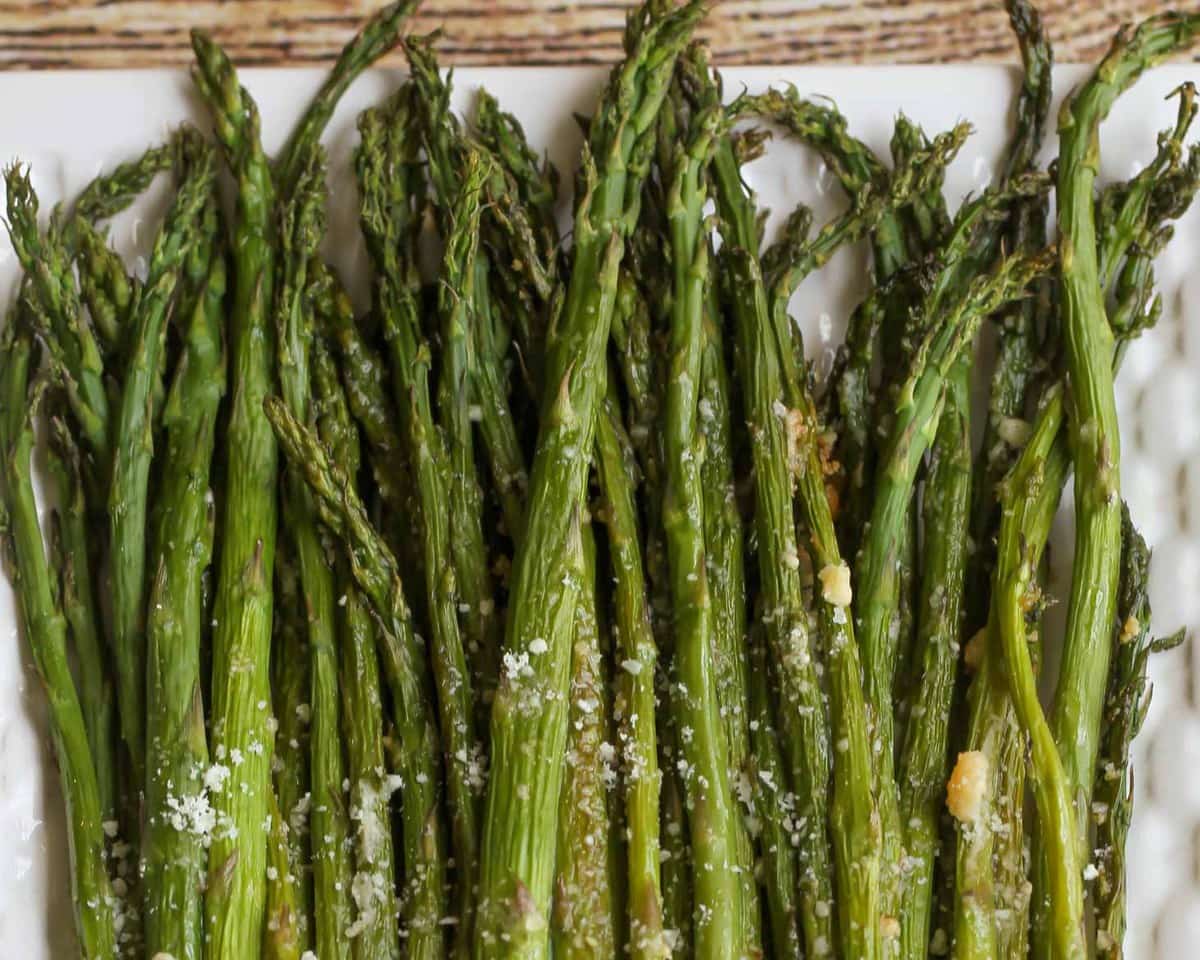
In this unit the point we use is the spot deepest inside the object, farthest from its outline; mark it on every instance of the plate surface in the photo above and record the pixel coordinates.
(71, 125)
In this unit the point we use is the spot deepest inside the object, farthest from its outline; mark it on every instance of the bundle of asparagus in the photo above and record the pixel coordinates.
(548, 657)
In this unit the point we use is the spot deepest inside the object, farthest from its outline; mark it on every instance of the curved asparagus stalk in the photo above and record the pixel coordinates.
(236, 894)
(920, 401)
(405, 671)
(133, 448)
(301, 228)
(374, 933)
(45, 630)
(113, 191)
(1091, 608)
(1029, 501)
(528, 727)
(378, 35)
(174, 858)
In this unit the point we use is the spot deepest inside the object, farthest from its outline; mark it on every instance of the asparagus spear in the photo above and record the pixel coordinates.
(374, 934)
(45, 629)
(773, 804)
(405, 671)
(1126, 702)
(290, 689)
(805, 733)
(301, 228)
(922, 767)
(283, 931)
(236, 893)
(713, 816)
(376, 37)
(133, 447)
(465, 276)
(724, 539)
(72, 349)
(529, 728)
(1017, 343)
(104, 286)
(1095, 438)
(174, 856)
(582, 920)
(113, 191)
(635, 699)
(434, 472)
(80, 607)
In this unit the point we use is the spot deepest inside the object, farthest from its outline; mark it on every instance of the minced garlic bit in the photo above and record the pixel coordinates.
(1014, 431)
(835, 584)
(967, 786)
(890, 928)
(1130, 628)
(973, 652)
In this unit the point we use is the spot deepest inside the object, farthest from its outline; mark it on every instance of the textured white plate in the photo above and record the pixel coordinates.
(71, 125)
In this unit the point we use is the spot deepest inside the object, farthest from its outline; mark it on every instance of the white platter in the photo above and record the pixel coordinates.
(71, 125)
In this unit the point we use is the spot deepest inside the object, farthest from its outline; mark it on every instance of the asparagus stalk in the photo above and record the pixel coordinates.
(465, 273)
(1017, 344)
(45, 629)
(1030, 498)
(434, 472)
(378, 35)
(581, 924)
(133, 447)
(405, 671)
(174, 856)
(113, 191)
(283, 932)
(920, 403)
(290, 688)
(301, 228)
(236, 894)
(73, 352)
(104, 286)
(773, 805)
(74, 556)
(724, 538)
(635, 708)
(374, 934)
(529, 728)
(922, 767)
(1126, 702)
(1095, 437)
(713, 816)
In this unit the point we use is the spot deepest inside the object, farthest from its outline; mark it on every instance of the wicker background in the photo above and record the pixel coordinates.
(143, 33)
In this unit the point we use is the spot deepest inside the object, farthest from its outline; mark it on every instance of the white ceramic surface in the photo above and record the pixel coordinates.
(71, 125)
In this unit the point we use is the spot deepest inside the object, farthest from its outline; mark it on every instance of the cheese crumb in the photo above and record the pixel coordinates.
(1130, 629)
(889, 927)
(967, 786)
(835, 584)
